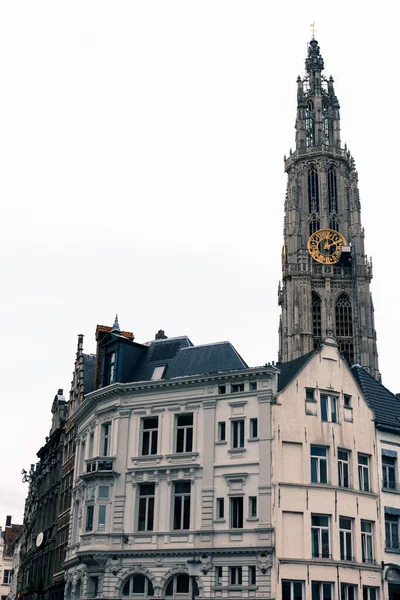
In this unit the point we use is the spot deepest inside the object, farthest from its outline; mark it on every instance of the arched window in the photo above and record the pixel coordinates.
(180, 586)
(316, 319)
(313, 190)
(314, 224)
(332, 190)
(344, 316)
(310, 123)
(325, 117)
(333, 223)
(138, 586)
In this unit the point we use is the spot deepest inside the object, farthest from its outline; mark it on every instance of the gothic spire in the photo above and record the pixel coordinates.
(314, 60)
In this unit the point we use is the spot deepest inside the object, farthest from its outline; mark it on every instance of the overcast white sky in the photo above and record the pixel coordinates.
(141, 172)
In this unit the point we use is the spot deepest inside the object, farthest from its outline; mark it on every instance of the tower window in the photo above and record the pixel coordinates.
(310, 123)
(332, 190)
(314, 224)
(344, 317)
(313, 190)
(325, 116)
(316, 317)
(333, 223)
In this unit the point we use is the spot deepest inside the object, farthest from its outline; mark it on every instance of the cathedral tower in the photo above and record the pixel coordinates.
(326, 275)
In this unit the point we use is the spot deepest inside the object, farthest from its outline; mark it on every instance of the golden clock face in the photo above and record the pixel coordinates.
(325, 246)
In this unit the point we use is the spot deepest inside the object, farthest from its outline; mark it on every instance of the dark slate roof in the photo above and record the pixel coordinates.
(89, 362)
(183, 359)
(288, 370)
(385, 405)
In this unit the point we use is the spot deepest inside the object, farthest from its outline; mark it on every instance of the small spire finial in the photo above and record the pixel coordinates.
(115, 327)
(312, 25)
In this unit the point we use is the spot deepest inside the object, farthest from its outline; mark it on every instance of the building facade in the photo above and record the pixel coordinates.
(172, 463)
(38, 540)
(326, 483)
(7, 539)
(326, 275)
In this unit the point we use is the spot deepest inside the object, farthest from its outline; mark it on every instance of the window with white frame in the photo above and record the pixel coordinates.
(220, 508)
(253, 386)
(321, 590)
(158, 372)
(82, 458)
(292, 589)
(149, 435)
(346, 538)
(101, 517)
(343, 468)
(237, 433)
(7, 577)
(235, 575)
(138, 586)
(236, 388)
(253, 429)
(363, 472)
(328, 408)
(370, 593)
(110, 368)
(91, 444)
(146, 507)
(319, 464)
(218, 575)
(348, 591)
(180, 586)
(236, 512)
(391, 531)
(320, 536)
(252, 507)
(89, 517)
(181, 516)
(367, 542)
(105, 439)
(221, 431)
(184, 433)
(389, 467)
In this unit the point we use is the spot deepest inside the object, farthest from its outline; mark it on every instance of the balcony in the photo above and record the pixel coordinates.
(101, 465)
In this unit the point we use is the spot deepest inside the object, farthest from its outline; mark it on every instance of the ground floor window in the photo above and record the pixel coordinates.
(138, 586)
(180, 586)
(321, 590)
(292, 590)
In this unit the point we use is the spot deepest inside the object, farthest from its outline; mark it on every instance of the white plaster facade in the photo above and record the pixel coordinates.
(5, 571)
(225, 471)
(328, 530)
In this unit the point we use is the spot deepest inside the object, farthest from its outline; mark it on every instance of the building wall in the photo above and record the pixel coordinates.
(213, 468)
(299, 426)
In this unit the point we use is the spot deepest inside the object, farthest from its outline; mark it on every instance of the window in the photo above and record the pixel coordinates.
(252, 507)
(370, 593)
(363, 472)
(221, 431)
(181, 585)
(90, 492)
(222, 389)
(320, 536)
(7, 577)
(158, 373)
(343, 468)
(109, 371)
(235, 575)
(292, 590)
(146, 507)
(346, 401)
(321, 590)
(105, 439)
(309, 115)
(236, 505)
(389, 472)
(367, 542)
(238, 434)
(316, 319)
(182, 505)
(91, 442)
(332, 190)
(346, 541)
(392, 531)
(101, 519)
(253, 386)
(138, 585)
(252, 575)
(184, 433)
(310, 395)
(319, 470)
(253, 429)
(220, 508)
(313, 190)
(328, 408)
(89, 517)
(149, 435)
(348, 591)
(93, 587)
(104, 492)
(82, 458)
(237, 387)
(344, 327)
(218, 575)
(314, 224)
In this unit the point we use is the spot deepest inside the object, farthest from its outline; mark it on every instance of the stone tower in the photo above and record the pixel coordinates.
(325, 291)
